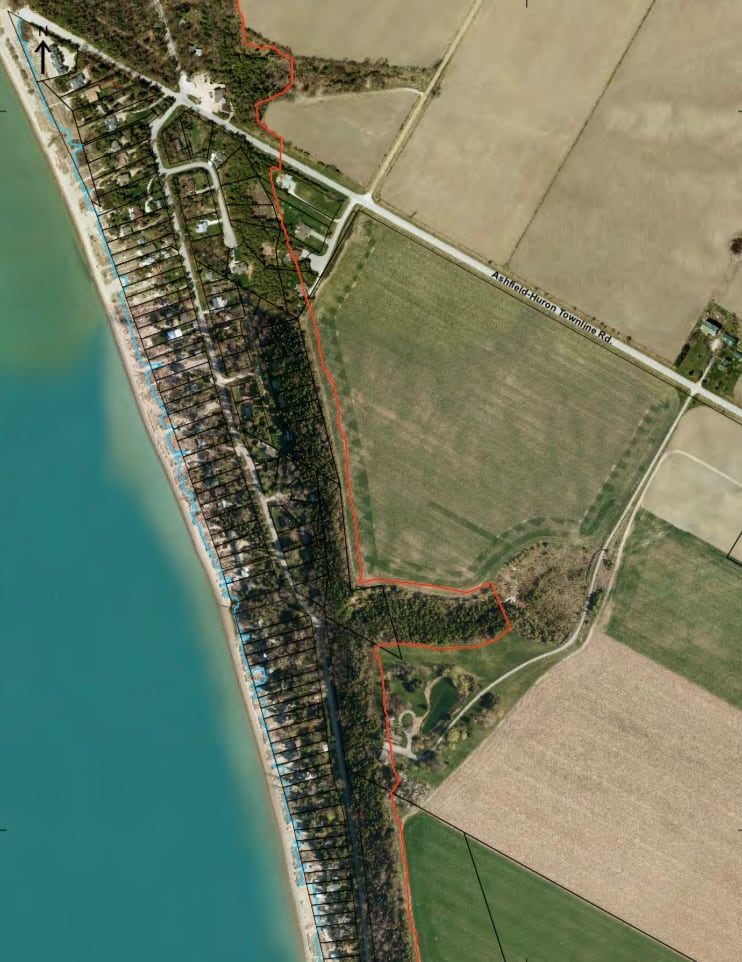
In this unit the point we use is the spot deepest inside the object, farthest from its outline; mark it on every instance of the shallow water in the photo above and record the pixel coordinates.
(138, 826)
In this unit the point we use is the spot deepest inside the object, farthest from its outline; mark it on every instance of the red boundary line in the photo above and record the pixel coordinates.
(362, 579)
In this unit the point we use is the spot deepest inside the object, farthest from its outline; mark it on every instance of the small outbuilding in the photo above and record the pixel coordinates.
(711, 327)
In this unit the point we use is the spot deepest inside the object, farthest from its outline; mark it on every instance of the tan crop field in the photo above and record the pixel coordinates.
(698, 486)
(351, 131)
(477, 425)
(621, 781)
(514, 98)
(713, 438)
(691, 496)
(637, 226)
(415, 32)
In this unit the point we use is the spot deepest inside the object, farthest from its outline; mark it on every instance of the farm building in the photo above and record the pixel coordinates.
(711, 327)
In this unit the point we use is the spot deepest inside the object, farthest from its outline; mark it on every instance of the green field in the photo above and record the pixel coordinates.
(679, 601)
(535, 920)
(406, 680)
(477, 425)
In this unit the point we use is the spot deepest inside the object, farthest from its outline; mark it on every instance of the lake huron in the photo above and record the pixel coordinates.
(137, 824)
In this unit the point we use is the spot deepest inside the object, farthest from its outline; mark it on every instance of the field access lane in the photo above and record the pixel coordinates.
(368, 203)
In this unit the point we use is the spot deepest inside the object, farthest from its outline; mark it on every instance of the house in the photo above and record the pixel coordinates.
(111, 122)
(730, 340)
(202, 227)
(218, 302)
(711, 327)
(174, 334)
(57, 58)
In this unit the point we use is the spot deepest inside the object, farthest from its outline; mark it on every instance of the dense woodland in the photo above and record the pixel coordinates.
(128, 30)
(208, 37)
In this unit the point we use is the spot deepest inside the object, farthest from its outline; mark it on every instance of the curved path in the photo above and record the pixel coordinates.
(362, 579)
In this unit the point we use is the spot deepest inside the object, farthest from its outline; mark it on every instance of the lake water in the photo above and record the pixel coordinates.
(138, 829)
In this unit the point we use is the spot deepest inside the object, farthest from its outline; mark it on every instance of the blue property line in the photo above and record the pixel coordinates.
(177, 454)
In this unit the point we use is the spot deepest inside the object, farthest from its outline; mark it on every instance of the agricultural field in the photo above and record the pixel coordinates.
(349, 131)
(620, 780)
(416, 32)
(486, 150)
(665, 572)
(477, 426)
(637, 227)
(689, 495)
(534, 918)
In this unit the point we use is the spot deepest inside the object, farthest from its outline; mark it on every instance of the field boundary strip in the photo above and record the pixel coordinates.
(362, 579)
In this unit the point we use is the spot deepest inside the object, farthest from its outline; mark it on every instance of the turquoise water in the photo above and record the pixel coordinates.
(137, 823)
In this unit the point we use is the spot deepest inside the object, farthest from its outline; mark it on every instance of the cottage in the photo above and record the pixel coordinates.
(711, 327)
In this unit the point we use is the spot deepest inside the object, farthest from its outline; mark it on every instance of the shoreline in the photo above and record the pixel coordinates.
(109, 292)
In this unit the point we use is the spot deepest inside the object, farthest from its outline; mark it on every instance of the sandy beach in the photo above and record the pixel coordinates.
(109, 289)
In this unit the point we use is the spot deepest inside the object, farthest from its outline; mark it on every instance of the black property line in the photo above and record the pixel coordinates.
(528, 868)
(273, 750)
(731, 550)
(484, 896)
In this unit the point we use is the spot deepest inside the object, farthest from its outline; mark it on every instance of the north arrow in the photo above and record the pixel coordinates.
(43, 47)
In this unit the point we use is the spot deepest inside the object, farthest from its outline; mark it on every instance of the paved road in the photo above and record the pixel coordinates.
(368, 203)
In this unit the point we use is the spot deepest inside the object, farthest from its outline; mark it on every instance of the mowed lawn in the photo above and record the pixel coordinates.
(535, 919)
(679, 601)
(477, 425)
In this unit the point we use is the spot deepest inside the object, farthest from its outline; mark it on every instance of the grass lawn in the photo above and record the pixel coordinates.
(535, 919)
(485, 664)
(477, 425)
(679, 601)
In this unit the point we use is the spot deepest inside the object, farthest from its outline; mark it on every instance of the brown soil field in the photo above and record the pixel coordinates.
(514, 98)
(415, 33)
(729, 295)
(698, 486)
(713, 438)
(692, 496)
(636, 228)
(623, 782)
(351, 131)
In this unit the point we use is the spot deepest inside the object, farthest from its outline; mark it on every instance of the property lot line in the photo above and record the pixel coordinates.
(693, 390)
(366, 202)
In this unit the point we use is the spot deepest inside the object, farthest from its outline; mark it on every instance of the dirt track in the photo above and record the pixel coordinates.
(698, 487)
(622, 781)
(637, 226)
(487, 148)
